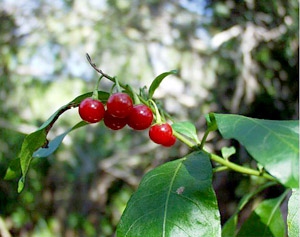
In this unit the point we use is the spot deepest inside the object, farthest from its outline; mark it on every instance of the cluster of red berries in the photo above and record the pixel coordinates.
(121, 111)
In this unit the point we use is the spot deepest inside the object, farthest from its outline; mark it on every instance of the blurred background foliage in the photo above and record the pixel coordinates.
(232, 56)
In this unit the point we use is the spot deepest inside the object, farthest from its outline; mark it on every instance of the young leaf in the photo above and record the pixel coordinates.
(175, 199)
(156, 82)
(274, 144)
(266, 220)
(229, 228)
(211, 122)
(55, 143)
(228, 151)
(186, 128)
(293, 214)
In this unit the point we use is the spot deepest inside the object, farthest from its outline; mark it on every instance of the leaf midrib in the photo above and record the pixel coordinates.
(167, 199)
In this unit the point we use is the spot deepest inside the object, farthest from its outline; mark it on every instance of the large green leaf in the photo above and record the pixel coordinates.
(274, 144)
(186, 128)
(266, 220)
(229, 228)
(175, 199)
(156, 82)
(293, 214)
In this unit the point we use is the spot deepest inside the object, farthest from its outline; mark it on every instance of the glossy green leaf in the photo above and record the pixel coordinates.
(265, 220)
(55, 143)
(228, 151)
(156, 82)
(274, 144)
(229, 228)
(14, 169)
(175, 199)
(293, 214)
(186, 128)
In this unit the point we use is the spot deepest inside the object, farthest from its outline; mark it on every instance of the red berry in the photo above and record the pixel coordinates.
(161, 134)
(113, 122)
(140, 117)
(171, 142)
(91, 111)
(119, 105)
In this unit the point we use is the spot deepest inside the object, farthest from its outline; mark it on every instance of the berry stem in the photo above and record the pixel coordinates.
(157, 114)
(95, 92)
(136, 99)
(118, 84)
(204, 139)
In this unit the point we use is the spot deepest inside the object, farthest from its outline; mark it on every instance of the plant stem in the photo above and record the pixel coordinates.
(238, 168)
(157, 114)
(135, 96)
(220, 168)
(204, 138)
(184, 139)
(118, 84)
(95, 92)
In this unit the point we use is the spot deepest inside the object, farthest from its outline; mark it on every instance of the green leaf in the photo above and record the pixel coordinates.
(175, 199)
(228, 151)
(266, 220)
(186, 128)
(55, 143)
(293, 214)
(21, 184)
(31, 143)
(274, 144)
(13, 170)
(211, 122)
(229, 228)
(156, 82)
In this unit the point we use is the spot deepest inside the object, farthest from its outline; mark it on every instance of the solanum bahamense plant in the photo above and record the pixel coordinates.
(177, 198)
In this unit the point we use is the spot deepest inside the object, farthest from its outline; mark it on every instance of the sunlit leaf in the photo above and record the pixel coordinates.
(265, 220)
(156, 82)
(175, 199)
(186, 128)
(228, 151)
(293, 214)
(274, 144)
